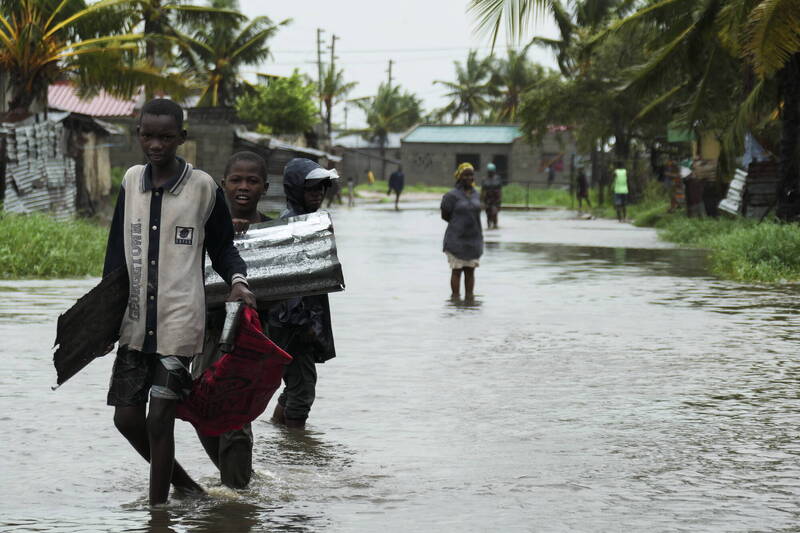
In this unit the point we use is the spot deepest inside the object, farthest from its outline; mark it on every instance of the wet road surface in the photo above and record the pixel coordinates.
(601, 381)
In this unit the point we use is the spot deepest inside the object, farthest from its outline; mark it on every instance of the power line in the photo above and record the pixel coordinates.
(396, 50)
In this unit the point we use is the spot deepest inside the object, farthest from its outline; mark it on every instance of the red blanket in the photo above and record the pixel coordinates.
(236, 389)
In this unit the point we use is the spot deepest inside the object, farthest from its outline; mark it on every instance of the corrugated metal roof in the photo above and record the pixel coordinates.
(463, 134)
(275, 144)
(64, 96)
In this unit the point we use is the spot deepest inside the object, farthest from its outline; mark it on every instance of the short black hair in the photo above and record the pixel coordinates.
(163, 106)
(247, 156)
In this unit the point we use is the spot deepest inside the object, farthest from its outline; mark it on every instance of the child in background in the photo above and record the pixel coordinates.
(302, 326)
(244, 183)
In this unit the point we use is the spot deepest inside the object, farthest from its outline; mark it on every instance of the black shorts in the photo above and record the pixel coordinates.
(136, 374)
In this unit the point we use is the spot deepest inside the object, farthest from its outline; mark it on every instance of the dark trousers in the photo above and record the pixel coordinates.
(300, 378)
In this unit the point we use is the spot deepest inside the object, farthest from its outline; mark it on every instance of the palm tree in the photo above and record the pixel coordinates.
(332, 90)
(697, 44)
(468, 94)
(390, 111)
(216, 52)
(515, 16)
(162, 21)
(42, 41)
(511, 78)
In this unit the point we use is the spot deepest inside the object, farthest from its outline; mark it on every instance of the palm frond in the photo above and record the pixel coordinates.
(515, 15)
(102, 4)
(773, 34)
(640, 16)
(660, 100)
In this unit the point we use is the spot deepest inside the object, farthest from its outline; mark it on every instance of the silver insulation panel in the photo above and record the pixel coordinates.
(285, 258)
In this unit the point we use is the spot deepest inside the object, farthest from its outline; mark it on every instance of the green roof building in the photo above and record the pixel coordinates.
(431, 153)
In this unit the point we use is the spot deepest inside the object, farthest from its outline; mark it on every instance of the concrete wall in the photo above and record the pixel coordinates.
(124, 150)
(356, 162)
(434, 163)
(208, 147)
(529, 161)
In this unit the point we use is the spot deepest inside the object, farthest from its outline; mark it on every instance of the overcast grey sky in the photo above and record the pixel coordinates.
(423, 37)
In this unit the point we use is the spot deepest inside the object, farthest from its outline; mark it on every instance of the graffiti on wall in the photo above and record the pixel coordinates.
(422, 160)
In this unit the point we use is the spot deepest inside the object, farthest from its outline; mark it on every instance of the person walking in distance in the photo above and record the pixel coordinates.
(621, 191)
(396, 183)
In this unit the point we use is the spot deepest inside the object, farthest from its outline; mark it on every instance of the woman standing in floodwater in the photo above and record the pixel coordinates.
(463, 239)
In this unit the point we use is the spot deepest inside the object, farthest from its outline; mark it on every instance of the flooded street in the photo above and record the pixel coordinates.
(601, 381)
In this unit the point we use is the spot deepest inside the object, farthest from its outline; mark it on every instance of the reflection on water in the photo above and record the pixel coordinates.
(457, 302)
(599, 381)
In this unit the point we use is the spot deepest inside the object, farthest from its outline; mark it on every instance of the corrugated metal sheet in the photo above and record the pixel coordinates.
(64, 96)
(40, 177)
(463, 134)
(285, 258)
(732, 203)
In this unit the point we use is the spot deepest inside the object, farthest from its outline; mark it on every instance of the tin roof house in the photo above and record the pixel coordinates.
(57, 161)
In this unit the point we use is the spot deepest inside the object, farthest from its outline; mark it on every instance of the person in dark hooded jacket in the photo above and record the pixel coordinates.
(302, 326)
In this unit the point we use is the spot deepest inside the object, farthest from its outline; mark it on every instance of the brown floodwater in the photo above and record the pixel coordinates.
(602, 380)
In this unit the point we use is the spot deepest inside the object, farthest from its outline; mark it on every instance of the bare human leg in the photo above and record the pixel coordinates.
(469, 282)
(455, 282)
(160, 430)
(131, 422)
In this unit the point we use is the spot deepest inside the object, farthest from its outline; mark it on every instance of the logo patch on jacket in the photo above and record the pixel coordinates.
(183, 235)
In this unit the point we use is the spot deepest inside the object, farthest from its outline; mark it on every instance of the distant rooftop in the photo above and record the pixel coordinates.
(480, 134)
(64, 96)
(354, 140)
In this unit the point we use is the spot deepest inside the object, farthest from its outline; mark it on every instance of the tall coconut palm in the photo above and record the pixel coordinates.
(469, 93)
(162, 20)
(332, 90)
(42, 41)
(390, 111)
(512, 76)
(217, 51)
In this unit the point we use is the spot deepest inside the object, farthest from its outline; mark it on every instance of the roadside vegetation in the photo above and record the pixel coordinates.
(38, 246)
(382, 186)
(742, 249)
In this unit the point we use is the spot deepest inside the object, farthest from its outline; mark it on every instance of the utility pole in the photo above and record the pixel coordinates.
(391, 62)
(333, 77)
(319, 67)
(333, 45)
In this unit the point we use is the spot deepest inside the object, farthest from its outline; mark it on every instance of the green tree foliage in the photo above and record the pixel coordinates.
(42, 41)
(469, 94)
(729, 65)
(332, 90)
(514, 16)
(390, 111)
(162, 22)
(215, 52)
(284, 106)
(511, 78)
